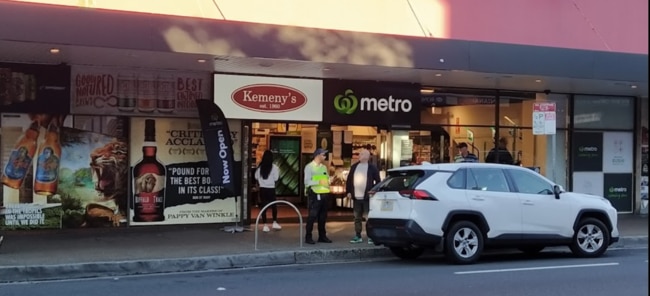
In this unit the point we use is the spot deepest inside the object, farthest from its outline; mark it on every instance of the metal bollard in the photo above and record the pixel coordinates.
(257, 221)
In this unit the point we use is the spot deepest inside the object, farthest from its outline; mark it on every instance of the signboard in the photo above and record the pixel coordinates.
(171, 179)
(109, 91)
(544, 118)
(371, 103)
(268, 98)
(26, 88)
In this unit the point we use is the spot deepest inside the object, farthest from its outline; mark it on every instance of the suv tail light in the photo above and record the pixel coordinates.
(417, 194)
(371, 193)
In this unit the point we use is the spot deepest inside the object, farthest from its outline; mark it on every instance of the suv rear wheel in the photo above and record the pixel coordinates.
(463, 243)
(591, 238)
(407, 253)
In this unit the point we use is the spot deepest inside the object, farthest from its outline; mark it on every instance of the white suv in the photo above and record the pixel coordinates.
(464, 207)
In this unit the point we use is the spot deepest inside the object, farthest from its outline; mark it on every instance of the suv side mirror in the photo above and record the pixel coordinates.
(557, 189)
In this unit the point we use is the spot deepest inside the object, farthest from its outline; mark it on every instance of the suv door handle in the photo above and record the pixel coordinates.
(479, 198)
(528, 202)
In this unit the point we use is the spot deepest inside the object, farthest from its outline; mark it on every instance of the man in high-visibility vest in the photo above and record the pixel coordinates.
(318, 189)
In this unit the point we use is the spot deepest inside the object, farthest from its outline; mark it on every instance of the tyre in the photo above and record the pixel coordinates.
(463, 243)
(407, 253)
(591, 238)
(531, 250)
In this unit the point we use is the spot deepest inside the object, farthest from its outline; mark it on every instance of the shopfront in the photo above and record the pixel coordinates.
(594, 136)
(108, 147)
(278, 114)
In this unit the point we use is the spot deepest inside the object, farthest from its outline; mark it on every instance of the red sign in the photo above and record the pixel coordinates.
(273, 98)
(544, 107)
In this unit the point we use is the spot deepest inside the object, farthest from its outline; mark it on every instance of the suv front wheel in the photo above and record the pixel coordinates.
(591, 238)
(463, 242)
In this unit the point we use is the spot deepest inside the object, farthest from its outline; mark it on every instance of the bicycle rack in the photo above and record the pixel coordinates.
(257, 221)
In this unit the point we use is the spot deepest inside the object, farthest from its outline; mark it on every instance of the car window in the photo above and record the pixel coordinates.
(457, 180)
(490, 180)
(530, 183)
(400, 180)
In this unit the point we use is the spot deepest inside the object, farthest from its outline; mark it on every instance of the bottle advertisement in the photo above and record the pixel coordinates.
(170, 176)
(56, 176)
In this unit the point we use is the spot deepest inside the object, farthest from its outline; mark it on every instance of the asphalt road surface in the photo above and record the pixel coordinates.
(620, 272)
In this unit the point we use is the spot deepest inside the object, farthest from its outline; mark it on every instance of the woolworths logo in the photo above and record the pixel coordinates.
(347, 104)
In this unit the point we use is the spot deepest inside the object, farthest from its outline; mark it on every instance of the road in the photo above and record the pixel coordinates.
(620, 272)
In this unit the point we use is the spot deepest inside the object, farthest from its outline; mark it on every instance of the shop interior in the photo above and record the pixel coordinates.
(293, 143)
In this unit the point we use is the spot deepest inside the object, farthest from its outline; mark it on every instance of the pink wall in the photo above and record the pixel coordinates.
(604, 25)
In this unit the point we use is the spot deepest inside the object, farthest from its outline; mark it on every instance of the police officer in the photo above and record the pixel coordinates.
(317, 187)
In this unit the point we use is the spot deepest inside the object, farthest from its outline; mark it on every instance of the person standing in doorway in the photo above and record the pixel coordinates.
(500, 154)
(464, 155)
(361, 178)
(317, 187)
(267, 175)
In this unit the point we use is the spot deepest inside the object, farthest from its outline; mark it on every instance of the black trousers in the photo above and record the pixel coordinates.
(317, 212)
(267, 195)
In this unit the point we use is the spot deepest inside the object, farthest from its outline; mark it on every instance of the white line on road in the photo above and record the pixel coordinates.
(536, 268)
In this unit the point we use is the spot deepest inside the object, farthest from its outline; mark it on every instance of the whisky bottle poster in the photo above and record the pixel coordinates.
(76, 178)
(188, 196)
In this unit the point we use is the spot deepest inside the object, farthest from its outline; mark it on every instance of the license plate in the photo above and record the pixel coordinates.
(386, 205)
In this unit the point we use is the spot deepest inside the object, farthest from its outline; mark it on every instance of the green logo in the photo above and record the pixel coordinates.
(346, 103)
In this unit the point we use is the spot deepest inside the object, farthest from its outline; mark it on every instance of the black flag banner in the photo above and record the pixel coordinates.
(218, 145)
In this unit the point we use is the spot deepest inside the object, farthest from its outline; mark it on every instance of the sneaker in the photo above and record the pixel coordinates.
(355, 240)
(276, 226)
(266, 228)
(370, 242)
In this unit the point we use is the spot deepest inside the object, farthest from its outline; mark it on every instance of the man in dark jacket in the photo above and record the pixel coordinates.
(361, 178)
(500, 154)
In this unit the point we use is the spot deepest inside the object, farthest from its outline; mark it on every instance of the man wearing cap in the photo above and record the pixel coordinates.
(317, 187)
(464, 155)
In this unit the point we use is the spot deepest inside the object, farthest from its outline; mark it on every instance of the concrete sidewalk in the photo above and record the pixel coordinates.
(59, 254)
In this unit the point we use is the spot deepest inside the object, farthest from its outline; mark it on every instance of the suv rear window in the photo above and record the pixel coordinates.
(402, 180)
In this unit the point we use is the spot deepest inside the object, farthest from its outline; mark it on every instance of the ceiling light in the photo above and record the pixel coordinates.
(438, 74)
(538, 80)
(427, 91)
(633, 86)
(54, 50)
(201, 60)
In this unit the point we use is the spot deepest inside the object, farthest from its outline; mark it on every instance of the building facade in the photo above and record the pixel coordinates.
(95, 93)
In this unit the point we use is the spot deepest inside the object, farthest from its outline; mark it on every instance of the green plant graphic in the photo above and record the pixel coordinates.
(346, 103)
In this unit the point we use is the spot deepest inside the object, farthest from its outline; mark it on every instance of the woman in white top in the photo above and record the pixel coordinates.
(266, 175)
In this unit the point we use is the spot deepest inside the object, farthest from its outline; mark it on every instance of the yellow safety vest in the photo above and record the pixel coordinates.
(319, 173)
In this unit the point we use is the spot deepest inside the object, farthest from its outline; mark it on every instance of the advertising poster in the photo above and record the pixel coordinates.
(170, 174)
(34, 88)
(588, 152)
(109, 91)
(55, 176)
(618, 152)
(618, 189)
(588, 183)
(286, 155)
